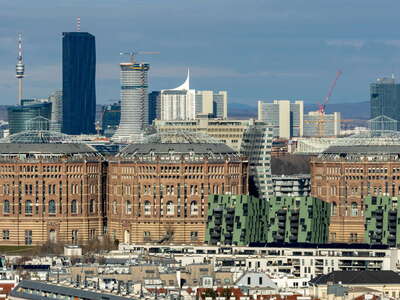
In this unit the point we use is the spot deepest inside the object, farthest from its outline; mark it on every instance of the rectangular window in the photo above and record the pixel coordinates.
(75, 236)
(28, 237)
(6, 234)
(92, 234)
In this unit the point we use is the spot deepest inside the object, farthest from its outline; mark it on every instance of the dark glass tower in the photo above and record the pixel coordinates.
(79, 89)
(154, 106)
(385, 99)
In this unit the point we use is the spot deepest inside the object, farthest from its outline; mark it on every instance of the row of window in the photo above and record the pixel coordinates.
(170, 208)
(52, 209)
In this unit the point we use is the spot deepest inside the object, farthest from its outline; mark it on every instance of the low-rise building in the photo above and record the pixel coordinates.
(386, 283)
(291, 185)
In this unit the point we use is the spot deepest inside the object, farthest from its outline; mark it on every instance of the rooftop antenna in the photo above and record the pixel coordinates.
(78, 24)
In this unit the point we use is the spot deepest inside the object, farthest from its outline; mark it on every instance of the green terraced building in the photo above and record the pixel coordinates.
(382, 220)
(242, 219)
(298, 220)
(236, 220)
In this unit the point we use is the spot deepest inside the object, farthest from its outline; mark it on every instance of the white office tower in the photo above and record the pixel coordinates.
(134, 102)
(178, 103)
(212, 103)
(20, 69)
(56, 111)
(256, 146)
(286, 118)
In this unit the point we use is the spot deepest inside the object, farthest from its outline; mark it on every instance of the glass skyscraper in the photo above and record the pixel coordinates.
(385, 99)
(79, 89)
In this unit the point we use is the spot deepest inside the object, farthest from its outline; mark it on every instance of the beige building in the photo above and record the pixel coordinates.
(230, 132)
(285, 117)
(214, 103)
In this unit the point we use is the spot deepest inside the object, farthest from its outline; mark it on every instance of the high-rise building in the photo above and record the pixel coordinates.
(154, 106)
(134, 101)
(286, 118)
(317, 125)
(178, 103)
(215, 104)
(32, 114)
(56, 111)
(256, 146)
(79, 94)
(385, 99)
(111, 118)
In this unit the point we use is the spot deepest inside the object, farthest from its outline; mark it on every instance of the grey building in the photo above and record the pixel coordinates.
(111, 118)
(134, 101)
(31, 115)
(291, 185)
(317, 125)
(256, 145)
(385, 99)
(286, 118)
(213, 103)
(56, 111)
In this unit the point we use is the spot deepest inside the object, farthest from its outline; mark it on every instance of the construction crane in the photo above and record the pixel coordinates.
(133, 54)
(322, 107)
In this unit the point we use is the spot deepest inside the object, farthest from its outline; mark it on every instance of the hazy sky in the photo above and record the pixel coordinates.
(254, 49)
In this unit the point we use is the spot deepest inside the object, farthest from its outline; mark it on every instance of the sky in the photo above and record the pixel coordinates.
(254, 49)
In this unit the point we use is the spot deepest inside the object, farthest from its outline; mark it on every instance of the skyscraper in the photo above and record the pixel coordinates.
(285, 118)
(79, 94)
(178, 103)
(154, 106)
(385, 99)
(209, 102)
(134, 101)
(56, 111)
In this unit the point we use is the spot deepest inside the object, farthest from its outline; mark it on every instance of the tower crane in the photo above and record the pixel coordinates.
(321, 107)
(134, 53)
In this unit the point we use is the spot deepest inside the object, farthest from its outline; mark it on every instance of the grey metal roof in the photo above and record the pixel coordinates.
(62, 290)
(361, 149)
(358, 277)
(142, 149)
(9, 148)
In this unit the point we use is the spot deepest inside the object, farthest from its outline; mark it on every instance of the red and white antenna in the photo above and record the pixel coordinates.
(78, 24)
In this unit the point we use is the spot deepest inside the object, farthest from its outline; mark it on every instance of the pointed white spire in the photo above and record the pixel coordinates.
(185, 85)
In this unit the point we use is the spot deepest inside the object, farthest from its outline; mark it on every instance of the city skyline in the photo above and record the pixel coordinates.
(282, 54)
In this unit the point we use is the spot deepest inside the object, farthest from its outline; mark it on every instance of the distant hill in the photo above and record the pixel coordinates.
(351, 110)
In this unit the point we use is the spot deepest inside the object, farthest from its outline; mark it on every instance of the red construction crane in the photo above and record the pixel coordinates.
(321, 107)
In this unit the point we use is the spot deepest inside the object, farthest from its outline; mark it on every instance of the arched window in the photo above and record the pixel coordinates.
(92, 206)
(193, 208)
(6, 207)
(52, 207)
(74, 207)
(114, 207)
(128, 207)
(333, 209)
(28, 207)
(354, 209)
(170, 208)
(147, 208)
